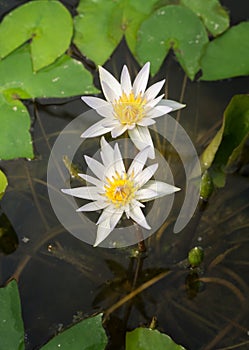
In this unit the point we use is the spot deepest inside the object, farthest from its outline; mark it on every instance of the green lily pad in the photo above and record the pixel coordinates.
(47, 24)
(3, 183)
(174, 27)
(214, 16)
(97, 39)
(11, 324)
(85, 335)
(227, 144)
(147, 339)
(66, 77)
(227, 55)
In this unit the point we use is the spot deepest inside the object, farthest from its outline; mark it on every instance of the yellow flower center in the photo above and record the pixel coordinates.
(129, 109)
(120, 189)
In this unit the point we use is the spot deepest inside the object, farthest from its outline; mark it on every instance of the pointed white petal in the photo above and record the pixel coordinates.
(153, 103)
(138, 162)
(107, 152)
(118, 160)
(141, 80)
(96, 167)
(93, 206)
(140, 136)
(94, 102)
(154, 90)
(103, 231)
(172, 104)
(158, 187)
(118, 130)
(110, 94)
(125, 81)
(145, 175)
(105, 111)
(137, 215)
(145, 194)
(91, 179)
(110, 123)
(87, 192)
(158, 111)
(107, 79)
(106, 213)
(135, 202)
(146, 122)
(107, 226)
(96, 129)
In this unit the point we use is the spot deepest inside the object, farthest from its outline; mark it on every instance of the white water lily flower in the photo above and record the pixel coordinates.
(129, 107)
(118, 191)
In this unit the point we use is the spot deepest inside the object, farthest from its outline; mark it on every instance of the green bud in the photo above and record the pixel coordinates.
(195, 256)
(207, 186)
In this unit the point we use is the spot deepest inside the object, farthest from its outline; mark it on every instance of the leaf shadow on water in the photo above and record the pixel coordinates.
(62, 279)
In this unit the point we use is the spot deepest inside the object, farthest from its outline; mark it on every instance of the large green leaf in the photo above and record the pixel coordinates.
(100, 25)
(47, 24)
(15, 139)
(148, 339)
(11, 325)
(174, 27)
(85, 335)
(227, 144)
(227, 55)
(3, 183)
(214, 16)
(66, 77)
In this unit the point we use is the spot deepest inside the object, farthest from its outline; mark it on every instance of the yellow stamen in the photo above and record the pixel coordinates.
(120, 189)
(129, 109)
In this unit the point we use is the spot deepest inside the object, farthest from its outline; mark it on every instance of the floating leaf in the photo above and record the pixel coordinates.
(11, 325)
(227, 144)
(47, 24)
(3, 183)
(97, 39)
(66, 77)
(174, 27)
(15, 139)
(85, 335)
(227, 55)
(214, 16)
(147, 339)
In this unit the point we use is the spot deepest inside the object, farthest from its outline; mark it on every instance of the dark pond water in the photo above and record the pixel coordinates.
(62, 279)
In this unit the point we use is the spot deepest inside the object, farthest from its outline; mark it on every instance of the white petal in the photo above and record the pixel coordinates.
(107, 152)
(94, 102)
(140, 136)
(106, 213)
(138, 162)
(158, 111)
(154, 90)
(87, 192)
(118, 130)
(93, 206)
(146, 122)
(146, 174)
(137, 215)
(96, 129)
(141, 80)
(96, 167)
(158, 187)
(111, 95)
(105, 111)
(125, 81)
(108, 78)
(110, 123)
(172, 104)
(145, 194)
(154, 102)
(91, 179)
(118, 160)
(107, 226)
